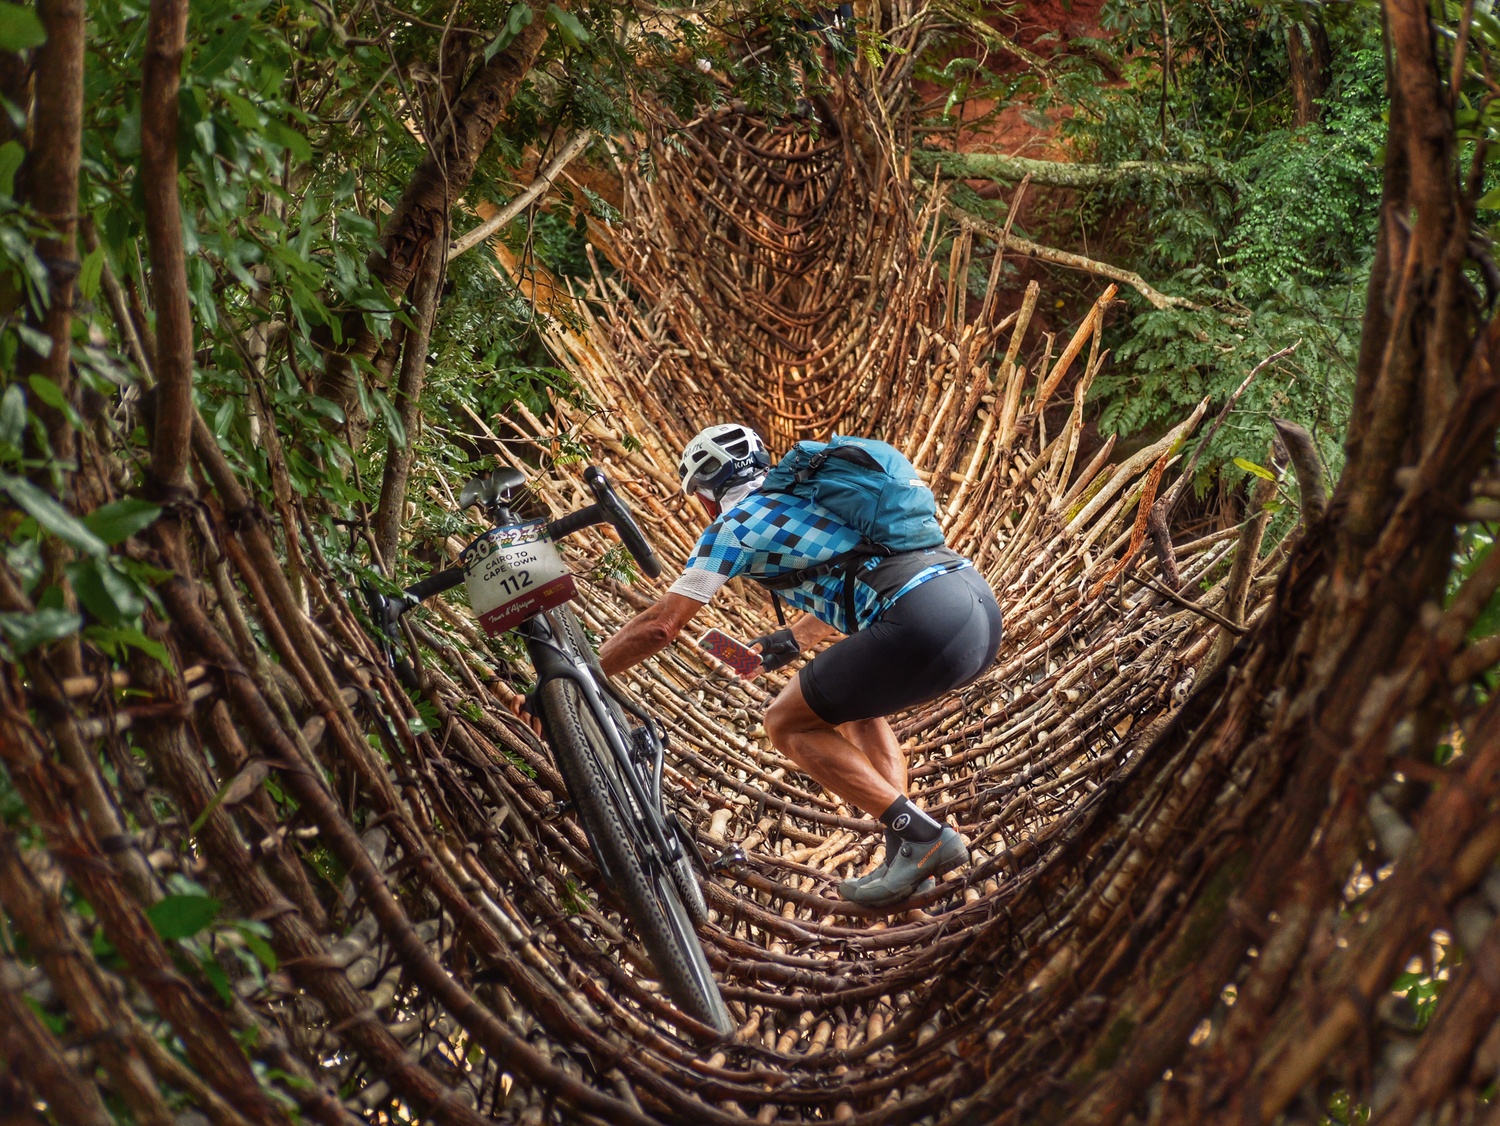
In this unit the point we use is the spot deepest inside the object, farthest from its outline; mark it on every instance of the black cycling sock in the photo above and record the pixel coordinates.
(892, 843)
(910, 823)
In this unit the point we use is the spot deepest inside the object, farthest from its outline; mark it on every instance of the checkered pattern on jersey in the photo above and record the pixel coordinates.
(771, 534)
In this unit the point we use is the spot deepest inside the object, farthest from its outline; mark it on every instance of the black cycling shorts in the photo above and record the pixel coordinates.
(932, 640)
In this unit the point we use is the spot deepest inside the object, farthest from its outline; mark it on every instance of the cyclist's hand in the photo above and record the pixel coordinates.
(775, 649)
(516, 703)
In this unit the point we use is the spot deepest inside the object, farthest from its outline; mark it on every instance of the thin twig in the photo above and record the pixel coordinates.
(473, 237)
(1173, 596)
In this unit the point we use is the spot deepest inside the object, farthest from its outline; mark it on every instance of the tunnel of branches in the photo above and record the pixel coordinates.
(1198, 785)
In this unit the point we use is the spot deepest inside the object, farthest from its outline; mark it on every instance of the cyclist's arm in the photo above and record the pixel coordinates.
(648, 633)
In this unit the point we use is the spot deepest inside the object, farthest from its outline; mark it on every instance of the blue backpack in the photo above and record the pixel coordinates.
(870, 487)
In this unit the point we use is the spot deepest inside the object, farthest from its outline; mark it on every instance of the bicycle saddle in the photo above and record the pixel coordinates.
(491, 489)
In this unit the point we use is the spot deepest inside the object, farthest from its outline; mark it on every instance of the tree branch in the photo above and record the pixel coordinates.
(473, 237)
(1028, 249)
(52, 178)
(166, 31)
(1054, 173)
(422, 213)
(1173, 596)
(398, 456)
(1163, 510)
(1309, 469)
(991, 37)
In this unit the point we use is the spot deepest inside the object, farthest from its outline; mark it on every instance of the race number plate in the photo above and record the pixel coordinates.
(514, 572)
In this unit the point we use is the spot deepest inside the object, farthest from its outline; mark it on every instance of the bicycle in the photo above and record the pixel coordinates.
(612, 768)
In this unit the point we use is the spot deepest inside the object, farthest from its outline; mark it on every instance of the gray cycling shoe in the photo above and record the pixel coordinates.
(912, 864)
(848, 887)
(892, 844)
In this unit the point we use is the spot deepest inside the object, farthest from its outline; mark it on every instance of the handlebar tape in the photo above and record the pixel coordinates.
(574, 521)
(436, 583)
(625, 525)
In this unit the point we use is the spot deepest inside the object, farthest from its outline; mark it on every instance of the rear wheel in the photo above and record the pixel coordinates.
(629, 863)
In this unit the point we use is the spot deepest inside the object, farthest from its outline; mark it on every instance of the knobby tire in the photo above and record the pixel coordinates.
(629, 867)
(683, 872)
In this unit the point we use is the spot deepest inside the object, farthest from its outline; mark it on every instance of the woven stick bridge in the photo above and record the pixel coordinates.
(426, 937)
(845, 317)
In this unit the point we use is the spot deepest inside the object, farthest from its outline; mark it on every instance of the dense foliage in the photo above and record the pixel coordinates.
(300, 126)
(1272, 244)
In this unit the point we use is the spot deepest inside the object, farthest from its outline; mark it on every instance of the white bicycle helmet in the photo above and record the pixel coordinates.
(721, 457)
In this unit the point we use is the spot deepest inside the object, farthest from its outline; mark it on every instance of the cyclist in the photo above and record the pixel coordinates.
(925, 623)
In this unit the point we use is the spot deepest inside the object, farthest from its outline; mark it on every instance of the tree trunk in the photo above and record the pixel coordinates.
(49, 180)
(1054, 173)
(1348, 627)
(423, 211)
(1311, 60)
(398, 457)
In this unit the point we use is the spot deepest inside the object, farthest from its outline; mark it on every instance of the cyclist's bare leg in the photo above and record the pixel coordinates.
(828, 756)
(877, 741)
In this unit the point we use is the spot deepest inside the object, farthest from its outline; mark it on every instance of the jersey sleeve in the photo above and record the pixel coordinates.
(721, 554)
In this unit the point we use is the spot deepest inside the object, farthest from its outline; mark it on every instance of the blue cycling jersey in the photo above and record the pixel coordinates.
(771, 534)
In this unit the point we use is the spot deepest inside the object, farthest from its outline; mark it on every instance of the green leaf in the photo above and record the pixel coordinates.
(1258, 470)
(39, 342)
(11, 155)
(516, 19)
(51, 516)
(90, 272)
(12, 420)
(572, 32)
(327, 408)
(216, 977)
(25, 632)
(280, 133)
(117, 522)
(117, 639)
(244, 110)
(49, 392)
(20, 30)
(127, 138)
(110, 596)
(182, 916)
(1490, 201)
(258, 946)
(221, 51)
(392, 417)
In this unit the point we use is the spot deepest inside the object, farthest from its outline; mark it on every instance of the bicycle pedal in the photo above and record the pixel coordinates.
(555, 809)
(728, 861)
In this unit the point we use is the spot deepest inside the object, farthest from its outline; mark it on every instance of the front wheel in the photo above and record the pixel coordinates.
(628, 862)
(571, 636)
